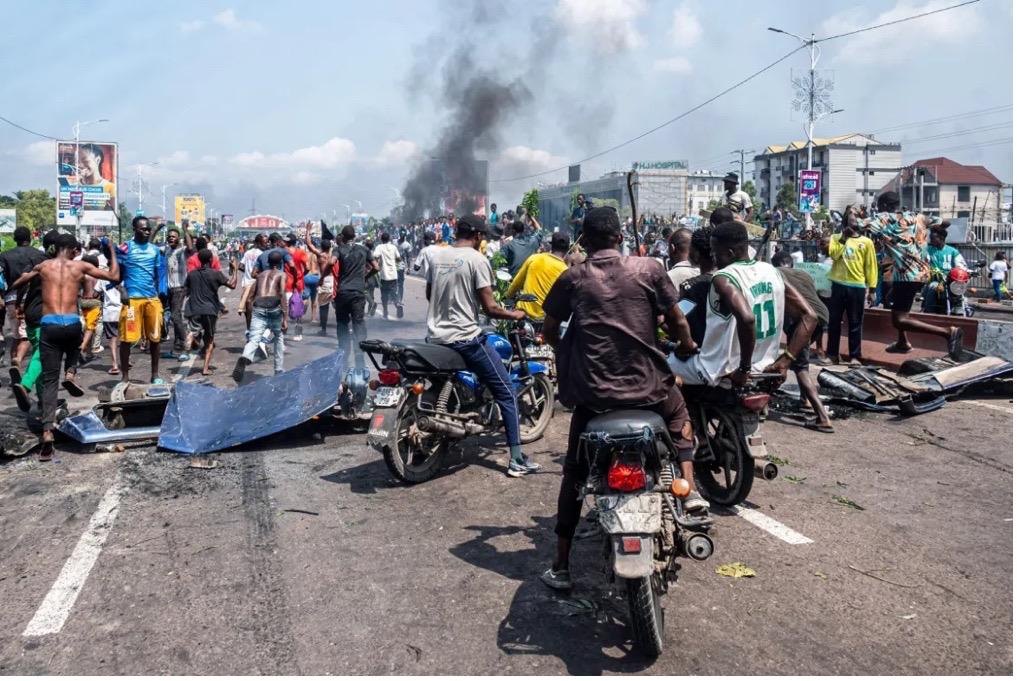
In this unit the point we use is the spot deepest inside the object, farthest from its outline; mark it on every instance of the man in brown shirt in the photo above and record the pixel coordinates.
(609, 358)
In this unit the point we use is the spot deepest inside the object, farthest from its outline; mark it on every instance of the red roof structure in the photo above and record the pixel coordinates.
(947, 171)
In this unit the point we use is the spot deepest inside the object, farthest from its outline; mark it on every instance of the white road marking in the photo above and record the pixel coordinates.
(185, 368)
(53, 612)
(765, 522)
(993, 407)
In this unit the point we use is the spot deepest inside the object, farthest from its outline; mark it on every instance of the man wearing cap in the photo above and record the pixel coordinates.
(738, 201)
(276, 243)
(459, 283)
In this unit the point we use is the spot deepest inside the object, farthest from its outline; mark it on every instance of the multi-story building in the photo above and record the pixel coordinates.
(704, 186)
(855, 167)
(947, 189)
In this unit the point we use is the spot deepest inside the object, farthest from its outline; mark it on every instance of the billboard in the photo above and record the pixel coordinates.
(263, 223)
(810, 184)
(226, 221)
(87, 183)
(190, 207)
(8, 220)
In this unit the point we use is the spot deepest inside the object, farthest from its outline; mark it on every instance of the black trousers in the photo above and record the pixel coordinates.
(576, 469)
(349, 307)
(177, 297)
(58, 344)
(849, 299)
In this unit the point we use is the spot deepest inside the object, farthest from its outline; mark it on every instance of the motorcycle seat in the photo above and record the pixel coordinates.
(438, 357)
(626, 422)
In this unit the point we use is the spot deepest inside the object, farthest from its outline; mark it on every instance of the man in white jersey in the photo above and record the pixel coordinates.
(744, 317)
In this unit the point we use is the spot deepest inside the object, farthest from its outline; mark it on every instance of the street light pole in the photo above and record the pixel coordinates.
(164, 188)
(139, 187)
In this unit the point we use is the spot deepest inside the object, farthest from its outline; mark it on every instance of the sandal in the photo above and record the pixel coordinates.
(73, 388)
(21, 396)
(46, 450)
(114, 371)
(896, 349)
(819, 427)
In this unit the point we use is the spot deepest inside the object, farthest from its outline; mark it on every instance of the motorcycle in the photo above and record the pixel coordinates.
(946, 292)
(425, 399)
(730, 449)
(638, 496)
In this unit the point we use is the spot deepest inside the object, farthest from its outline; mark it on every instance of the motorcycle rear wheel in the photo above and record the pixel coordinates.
(725, 478)
(411, 455)
(646, 615)
(536, 407)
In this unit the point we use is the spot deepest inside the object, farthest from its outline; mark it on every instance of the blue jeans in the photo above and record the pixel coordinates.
(400, 286)
(489, 368)
(266, 320)
(997, 285)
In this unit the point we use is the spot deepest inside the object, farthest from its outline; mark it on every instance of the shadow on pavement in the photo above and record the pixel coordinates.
(586, 629)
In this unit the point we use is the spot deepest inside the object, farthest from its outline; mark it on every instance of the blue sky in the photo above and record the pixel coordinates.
(304, 107)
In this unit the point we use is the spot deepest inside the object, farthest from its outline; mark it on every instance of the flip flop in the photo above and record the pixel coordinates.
(46, 451)
(73, 388)
(15, 375)
(955, 344)
(896, 349)
(113, 371)
(21, 396)
(812, 425)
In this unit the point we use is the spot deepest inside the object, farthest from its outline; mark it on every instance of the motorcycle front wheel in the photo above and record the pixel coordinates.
(646, 615)
(412, 455)
(536, 407)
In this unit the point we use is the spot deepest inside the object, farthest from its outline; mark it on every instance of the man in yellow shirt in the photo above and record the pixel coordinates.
(538, 274)
(853, 275)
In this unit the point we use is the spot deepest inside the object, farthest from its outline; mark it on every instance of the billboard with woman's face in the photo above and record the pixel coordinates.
(93, 173)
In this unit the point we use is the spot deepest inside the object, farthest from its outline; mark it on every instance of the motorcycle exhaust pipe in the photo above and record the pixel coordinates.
(697, 546)
(433, 425)
(767, 470)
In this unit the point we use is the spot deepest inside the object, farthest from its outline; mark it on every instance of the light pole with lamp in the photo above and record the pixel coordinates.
(141, 183)
(164, 188)
(78, 125)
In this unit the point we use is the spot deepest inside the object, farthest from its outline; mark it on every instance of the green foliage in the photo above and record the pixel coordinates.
(787, 199)
(36, 209)
(529, 202)
(821, 215)
(750, 188)
(8, 201)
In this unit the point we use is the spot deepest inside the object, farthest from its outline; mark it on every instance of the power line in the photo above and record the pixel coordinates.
(32, 132)
(959, 133)
(896, 21)
(944, 119)
(964, 147)
(662, 125)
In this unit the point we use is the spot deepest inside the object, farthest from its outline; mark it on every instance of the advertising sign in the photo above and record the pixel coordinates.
(8, 220)
(820, 274)
(190, 207)
(89, 188)
(227, 222)
(810, 183)
(262, 223)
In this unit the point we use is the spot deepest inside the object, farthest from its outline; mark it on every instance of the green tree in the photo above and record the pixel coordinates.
(529, 202)
(36, 209)
(8, 201)
(750, 188)
(787, 199)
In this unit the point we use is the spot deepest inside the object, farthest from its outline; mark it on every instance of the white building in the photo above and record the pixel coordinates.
(704, 186)
(855, 167)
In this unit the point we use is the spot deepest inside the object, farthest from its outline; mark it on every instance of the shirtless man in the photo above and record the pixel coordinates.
(270, 313)
(60, 335)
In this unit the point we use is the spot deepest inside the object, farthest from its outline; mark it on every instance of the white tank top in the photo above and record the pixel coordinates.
(720, 354)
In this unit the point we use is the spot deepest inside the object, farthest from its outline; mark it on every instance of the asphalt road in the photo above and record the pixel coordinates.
(299, 555)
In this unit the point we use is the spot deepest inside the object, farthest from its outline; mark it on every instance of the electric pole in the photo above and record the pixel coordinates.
(741, 161)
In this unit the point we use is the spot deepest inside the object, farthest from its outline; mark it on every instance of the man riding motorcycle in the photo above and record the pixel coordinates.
(744, 317)
(538, 274)
(609, 359)
(942, 258)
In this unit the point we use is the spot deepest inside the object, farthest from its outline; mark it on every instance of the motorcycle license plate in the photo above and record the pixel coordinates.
(540, 352)
(386, 396)
(630, 513)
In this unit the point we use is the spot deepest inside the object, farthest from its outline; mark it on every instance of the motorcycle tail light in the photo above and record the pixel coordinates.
(626, 477)
(388, 377)
(756, 403)
(631, 545)
(373, 384)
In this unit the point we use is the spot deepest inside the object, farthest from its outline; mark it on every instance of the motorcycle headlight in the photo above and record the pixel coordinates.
(528, 330)
(958, 288)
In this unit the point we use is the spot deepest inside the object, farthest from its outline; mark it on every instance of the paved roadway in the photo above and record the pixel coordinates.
(298, 555)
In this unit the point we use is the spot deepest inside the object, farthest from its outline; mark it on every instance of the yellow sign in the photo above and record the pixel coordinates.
(190, 208)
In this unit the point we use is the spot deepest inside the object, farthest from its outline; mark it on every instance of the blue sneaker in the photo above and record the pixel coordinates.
(518, 469)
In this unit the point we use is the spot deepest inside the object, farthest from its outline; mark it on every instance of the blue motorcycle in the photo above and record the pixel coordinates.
(425, 399)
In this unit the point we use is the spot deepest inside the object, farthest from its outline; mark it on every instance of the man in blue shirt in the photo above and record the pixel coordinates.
(277, 244)
(144, 279)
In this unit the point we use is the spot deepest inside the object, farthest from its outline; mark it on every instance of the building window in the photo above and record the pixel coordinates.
(963, 213)
(963, 193)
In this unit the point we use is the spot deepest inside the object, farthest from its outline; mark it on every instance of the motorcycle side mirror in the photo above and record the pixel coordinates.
(503, 275)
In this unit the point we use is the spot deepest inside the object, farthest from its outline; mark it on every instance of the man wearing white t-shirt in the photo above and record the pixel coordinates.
(387, 255)
(737, 200)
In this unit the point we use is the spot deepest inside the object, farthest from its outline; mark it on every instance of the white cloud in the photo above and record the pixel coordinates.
(41, 153)
(685, 27)
(887, 44)
(397, 152)
(226, 19)
(229, 20)
(609, 26)
(673, 65)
